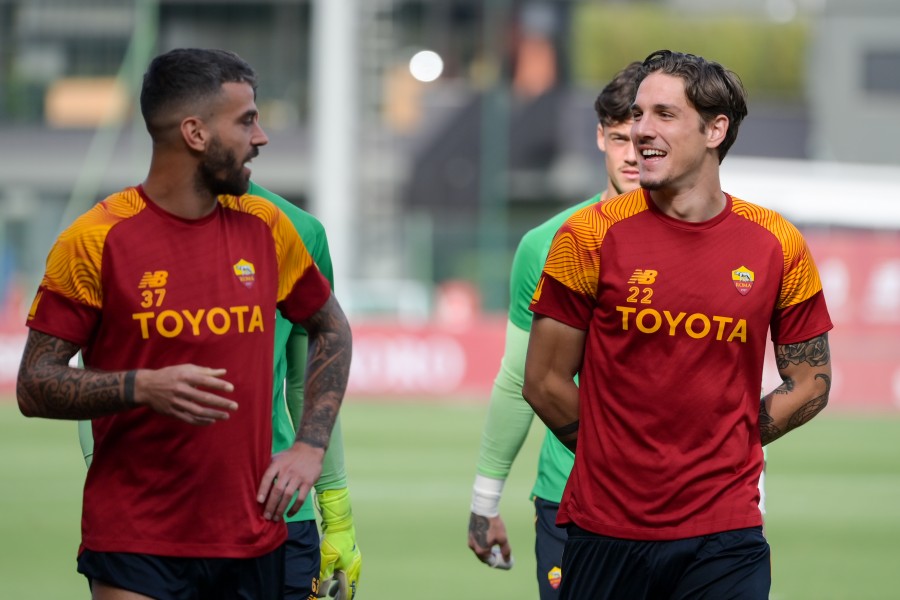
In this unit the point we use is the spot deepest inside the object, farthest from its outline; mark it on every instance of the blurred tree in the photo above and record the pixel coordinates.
(768, 56)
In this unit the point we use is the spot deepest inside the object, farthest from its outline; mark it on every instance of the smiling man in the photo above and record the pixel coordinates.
(660, 300)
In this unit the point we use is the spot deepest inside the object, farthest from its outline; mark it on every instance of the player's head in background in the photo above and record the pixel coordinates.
(201, 102)
(710, 89)
(613, 107)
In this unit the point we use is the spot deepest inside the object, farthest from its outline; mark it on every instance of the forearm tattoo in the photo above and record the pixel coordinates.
(816, 353)
(48, 387)
(327, 370)
(478, 529)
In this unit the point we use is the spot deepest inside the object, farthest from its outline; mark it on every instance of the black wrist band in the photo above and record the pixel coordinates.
(566, 429)
(129, 386)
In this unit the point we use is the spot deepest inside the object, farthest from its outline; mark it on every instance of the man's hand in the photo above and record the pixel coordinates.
(185, 392)
(340, 554)
(293, 471)
(486, 533)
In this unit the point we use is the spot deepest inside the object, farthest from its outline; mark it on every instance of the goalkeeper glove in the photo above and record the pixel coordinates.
(341, 559)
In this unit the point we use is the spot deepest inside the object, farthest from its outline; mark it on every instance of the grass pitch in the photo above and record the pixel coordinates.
(833, 504)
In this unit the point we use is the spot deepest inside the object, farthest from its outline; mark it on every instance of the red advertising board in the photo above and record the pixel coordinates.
(860, 272)
(459, 358)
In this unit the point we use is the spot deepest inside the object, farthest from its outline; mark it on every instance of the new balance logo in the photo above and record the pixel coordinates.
(643, 276)
(153, 279)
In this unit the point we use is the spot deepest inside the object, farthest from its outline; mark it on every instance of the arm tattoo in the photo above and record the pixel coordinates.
(786, 387)
(811, 408)
(768, 431)
(327, 370)
(48, 387)
(478, 528)
(814, 351)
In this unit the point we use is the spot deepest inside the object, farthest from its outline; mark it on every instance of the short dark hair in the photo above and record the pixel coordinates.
(183, 77)
(710, 88)
(613, 104)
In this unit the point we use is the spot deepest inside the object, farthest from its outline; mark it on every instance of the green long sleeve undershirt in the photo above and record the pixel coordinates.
(509, 415)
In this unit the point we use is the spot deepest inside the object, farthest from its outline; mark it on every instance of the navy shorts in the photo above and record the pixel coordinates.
(302, 560)
(176, 578)
(732, 565)
(549, 541)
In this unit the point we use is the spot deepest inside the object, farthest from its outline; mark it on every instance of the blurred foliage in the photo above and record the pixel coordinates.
(769, 57)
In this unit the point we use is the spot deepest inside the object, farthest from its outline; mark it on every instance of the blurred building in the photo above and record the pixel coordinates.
(447, 174)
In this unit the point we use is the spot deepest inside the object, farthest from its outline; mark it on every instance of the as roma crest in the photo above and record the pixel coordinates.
(245, 272)
(743, 280)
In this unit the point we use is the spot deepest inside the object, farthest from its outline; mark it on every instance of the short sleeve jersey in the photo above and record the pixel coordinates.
(676, 316)
(137, 287)
(555, 460)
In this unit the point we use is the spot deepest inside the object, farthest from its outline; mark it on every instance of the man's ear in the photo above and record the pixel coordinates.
(601, 141)
(195, 133)
(716, 130)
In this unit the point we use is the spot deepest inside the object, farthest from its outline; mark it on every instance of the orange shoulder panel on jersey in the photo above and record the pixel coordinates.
(800, 278)
(293, 257)
(574, 258)
(74, 263)
(624, 206)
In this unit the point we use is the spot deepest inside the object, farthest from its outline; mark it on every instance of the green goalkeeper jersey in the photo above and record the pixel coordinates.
(509, 415)
(289, 366)
(290, 361)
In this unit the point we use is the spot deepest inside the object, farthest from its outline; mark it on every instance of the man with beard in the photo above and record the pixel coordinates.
(167, 288)
(310, 563)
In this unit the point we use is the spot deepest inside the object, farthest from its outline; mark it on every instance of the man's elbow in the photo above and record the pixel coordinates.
(822, 394)
(25, 400)
(532, 391)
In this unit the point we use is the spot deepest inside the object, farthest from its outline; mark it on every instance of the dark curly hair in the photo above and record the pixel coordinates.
(710, 88)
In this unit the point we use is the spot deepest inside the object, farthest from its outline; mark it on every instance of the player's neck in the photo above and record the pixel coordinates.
(186, 205)
(688, 205)
(695, 199)
(175, 190)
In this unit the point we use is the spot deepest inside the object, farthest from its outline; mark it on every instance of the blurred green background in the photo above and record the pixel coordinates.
(833, 505)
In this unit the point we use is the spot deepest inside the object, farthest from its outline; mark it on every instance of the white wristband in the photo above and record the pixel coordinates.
(486, 496)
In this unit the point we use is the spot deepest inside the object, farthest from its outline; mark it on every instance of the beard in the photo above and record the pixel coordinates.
(652, 185)
(221, 173)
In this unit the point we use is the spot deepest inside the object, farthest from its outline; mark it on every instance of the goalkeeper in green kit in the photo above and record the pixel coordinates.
(313, 567)
(509, 416)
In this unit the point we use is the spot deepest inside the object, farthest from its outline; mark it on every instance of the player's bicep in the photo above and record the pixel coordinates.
(804, 362)
(554, 347)
(555, 354)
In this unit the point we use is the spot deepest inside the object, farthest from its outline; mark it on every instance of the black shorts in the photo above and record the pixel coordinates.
(176, 578)
(732, 565)
(302, 560)
(549, 541)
